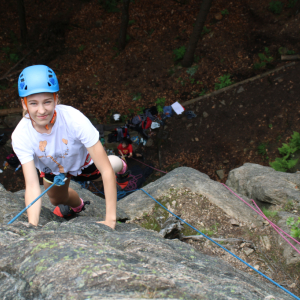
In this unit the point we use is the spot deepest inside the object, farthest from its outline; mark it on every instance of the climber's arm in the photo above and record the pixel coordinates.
(102, 163)
(32, 191)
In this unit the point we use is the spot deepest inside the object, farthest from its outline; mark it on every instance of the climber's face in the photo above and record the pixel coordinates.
(40, 108)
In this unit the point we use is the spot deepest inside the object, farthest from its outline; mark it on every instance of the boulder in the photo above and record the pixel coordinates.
(81, 259)
(265, 184)
(138, 203)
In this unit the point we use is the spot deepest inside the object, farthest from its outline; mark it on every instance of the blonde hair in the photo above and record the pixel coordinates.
(25, 112)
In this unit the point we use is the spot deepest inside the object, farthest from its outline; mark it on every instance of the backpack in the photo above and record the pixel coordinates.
(138, 120)
(113, 137)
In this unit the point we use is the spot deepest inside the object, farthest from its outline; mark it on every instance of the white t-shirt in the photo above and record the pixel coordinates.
(61, 151)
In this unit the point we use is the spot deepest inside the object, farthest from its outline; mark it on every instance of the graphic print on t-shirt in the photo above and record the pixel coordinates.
(42, 148)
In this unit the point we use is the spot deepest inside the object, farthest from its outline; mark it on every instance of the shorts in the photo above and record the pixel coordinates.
(88, 174)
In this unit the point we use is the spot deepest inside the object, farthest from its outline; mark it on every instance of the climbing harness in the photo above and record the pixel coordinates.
(148, 165)
(58, 180)
(276, 228)
(262, 274)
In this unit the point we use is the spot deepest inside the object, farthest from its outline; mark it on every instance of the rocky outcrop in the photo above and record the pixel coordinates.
(291, 255)
(82, 259)
(138, 203)
(265, 184)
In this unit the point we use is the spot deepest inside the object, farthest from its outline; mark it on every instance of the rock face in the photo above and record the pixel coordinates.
(81, 259)
(291, 256)
(137, 203)
(265, 184)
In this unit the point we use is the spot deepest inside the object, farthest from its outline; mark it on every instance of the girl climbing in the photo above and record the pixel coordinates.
(59, 139)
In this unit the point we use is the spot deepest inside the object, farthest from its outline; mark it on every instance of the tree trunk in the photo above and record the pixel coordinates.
(124, 24)
(22, 21)
(200, 21)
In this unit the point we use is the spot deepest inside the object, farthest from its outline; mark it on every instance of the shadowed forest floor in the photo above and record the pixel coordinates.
(78, 40)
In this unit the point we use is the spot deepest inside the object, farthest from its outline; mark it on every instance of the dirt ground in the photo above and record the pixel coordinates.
(213, 222)
(78, 40)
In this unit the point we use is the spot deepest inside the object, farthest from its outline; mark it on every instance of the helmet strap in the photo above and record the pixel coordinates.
(54, 115)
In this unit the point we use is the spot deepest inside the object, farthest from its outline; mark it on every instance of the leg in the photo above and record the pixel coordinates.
(63, 194)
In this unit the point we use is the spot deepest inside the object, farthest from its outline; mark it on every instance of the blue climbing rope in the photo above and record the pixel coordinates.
(262, 274)
(58, 180)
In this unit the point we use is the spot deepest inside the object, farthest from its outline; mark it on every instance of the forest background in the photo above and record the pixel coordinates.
(124, 56)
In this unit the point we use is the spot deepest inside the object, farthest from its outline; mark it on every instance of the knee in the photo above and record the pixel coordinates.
(58, 200)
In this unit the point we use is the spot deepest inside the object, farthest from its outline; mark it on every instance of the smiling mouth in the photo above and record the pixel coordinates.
(42, 117)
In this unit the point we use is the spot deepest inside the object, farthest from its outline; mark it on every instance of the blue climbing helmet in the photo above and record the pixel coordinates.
(37, 79)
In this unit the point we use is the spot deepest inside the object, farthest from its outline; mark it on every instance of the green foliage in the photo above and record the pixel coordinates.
(192, 80)
(283, 50)
(182, 82)
(196, 58)
(223, 82)
(179, 53)
(124, 118)
(286, 162)
(160, 103)
(203, 92)
(262, 149)
(137, 97)
(192, 70)
(205, 30)
(269, 213)
(109, 5)
(292, 3)
(3, 87)
(271, 126)
(127, 38)
(225, 12)
(264, 59)
(276, 7)
(295, 230)
(81, 48)
(130, 22)
(12, 56)
(140, 110)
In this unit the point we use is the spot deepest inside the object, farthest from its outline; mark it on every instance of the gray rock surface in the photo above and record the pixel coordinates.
(291, 256)
(265, 184)
(137, 203)
(81, 259)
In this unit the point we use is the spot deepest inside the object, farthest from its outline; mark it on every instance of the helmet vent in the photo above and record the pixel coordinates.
(21, 75)
(22, 80)
(25, 87)
(49, 71)
(49, 83)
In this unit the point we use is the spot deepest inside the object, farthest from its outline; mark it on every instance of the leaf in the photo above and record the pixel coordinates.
(291, 163)
(290, 221)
